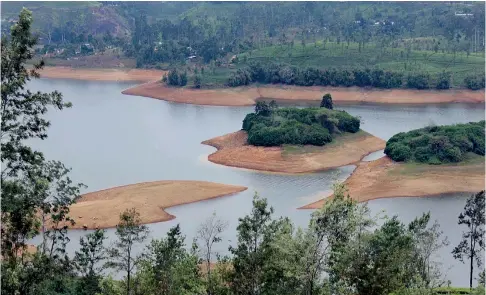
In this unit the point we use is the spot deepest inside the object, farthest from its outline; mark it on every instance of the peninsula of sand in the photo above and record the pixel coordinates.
(102, 74)
(384, 178)
(246, 96)
(102, 209)
(347, 149)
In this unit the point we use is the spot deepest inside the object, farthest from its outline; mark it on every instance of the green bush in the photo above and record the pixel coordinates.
(437, 144)
(314, 126)
(475, 82)
(443, 81)
(398, 152)
(418, 80)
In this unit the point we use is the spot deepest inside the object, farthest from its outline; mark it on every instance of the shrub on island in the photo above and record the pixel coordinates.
(437, 144)
(315, 126)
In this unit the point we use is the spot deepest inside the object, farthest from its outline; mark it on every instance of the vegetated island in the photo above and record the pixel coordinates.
(293, 140)
(102, 209)
(429, 161)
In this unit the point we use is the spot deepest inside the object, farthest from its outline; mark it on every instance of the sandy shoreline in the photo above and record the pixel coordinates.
(349, 149)
(384, 178)
(134, 75)
(102, 209)
(245, 96)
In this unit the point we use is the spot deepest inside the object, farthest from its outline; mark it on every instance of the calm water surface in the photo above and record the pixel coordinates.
(110, 139)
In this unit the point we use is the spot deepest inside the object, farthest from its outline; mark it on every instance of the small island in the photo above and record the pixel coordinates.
(429, 161)
(295, 140)
(102, 209)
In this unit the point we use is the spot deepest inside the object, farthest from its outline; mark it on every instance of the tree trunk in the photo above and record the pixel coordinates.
(471, 263)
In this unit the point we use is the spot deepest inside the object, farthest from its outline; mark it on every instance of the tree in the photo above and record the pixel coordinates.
(472, 242)
(197, 81)
(250, 252)
(427, 241)
(443, 81)
(168, 268)
(183, 79)
(173, 77)
(327, 101)
(31, 187)
(262, 108)
(273, 105)
(88, 260)
(130, 232)
(208, 234)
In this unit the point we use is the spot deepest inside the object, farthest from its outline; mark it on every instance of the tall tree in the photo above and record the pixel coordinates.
(428, 240)
(130, 232)
(168, 268)
(472, 243)
(208, 234)
(250, 252)
(89, 262)
(30, 186)
(326, 101)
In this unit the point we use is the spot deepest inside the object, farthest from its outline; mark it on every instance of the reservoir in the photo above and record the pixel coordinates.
(110, 139)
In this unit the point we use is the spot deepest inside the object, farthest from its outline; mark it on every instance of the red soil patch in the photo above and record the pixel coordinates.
(136, 75)
(244, 96)
(384, 178)
(348, 149)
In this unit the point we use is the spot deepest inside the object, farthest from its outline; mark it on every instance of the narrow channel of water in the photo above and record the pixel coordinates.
(110, 139)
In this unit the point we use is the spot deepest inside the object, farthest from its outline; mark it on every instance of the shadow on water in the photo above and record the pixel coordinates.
(110, 139)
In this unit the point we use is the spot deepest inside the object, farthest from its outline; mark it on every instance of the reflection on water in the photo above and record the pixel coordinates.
(110, 139)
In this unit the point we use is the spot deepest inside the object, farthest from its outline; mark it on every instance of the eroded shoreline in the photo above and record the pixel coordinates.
(246, 96)
(384, 178)
(102, 74)
(233, 151)
(102, 209)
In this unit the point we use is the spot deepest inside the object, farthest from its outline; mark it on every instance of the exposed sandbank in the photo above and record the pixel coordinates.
(234, 151)
(102, 209)
(384, 178)
(135, 75)
(245, 96)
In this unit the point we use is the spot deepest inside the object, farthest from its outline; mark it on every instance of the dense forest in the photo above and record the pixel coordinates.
(213, 39)
(343, 250)
(438, 144)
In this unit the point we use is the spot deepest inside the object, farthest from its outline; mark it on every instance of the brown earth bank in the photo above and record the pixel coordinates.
(135, 75)
(102, 209)
(245, 96)
(234, 151)
(384, 178)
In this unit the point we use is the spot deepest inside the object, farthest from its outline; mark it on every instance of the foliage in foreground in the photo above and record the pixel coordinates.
(273, 126)
(437, 144)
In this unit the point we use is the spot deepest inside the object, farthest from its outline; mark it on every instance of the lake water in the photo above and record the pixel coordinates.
(110, 139)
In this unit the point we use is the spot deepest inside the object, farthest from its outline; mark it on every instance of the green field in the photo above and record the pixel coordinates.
(330, 54)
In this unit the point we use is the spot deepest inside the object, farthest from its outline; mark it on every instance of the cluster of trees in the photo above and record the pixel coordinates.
(437, 144)
(474, 82)
(273, 126)
(176, 78)
(290, 75)
(272, 73)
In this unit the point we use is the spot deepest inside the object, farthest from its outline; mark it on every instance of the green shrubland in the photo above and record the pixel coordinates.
(437, 144)
(271, 126)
